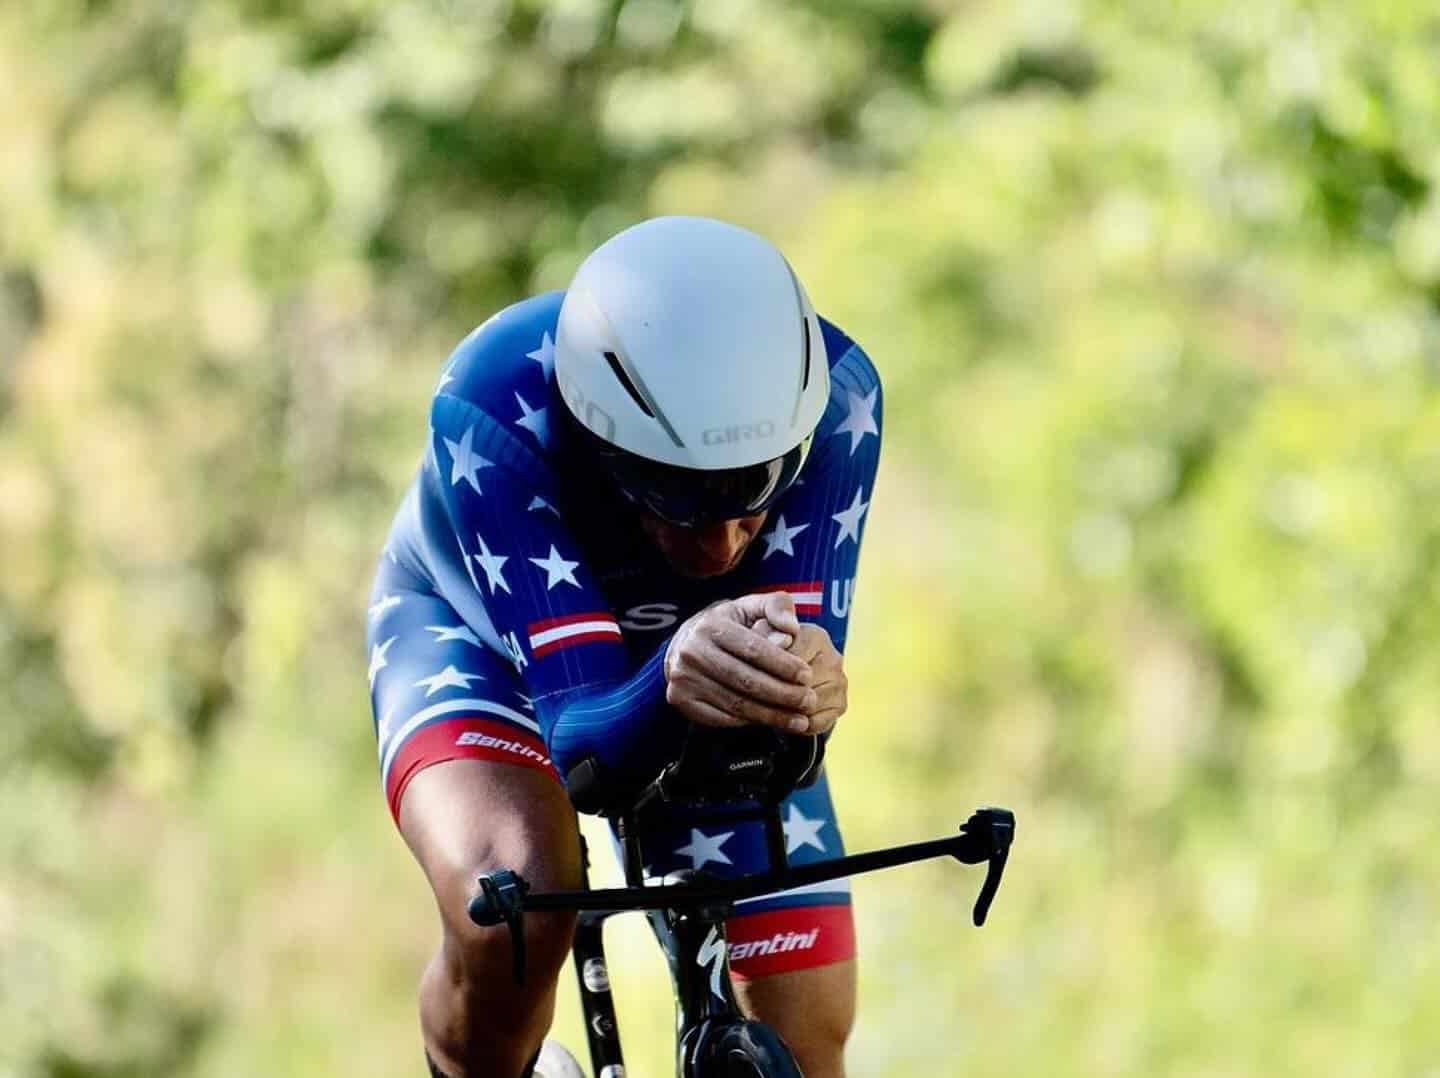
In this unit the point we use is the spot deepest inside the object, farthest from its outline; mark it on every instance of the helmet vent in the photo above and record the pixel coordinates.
(619, 372)
(805, 376)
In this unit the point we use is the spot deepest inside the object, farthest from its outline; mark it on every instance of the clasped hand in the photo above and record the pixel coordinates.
(751, 660)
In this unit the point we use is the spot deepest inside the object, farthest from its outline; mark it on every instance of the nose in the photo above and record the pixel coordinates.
(720, 540)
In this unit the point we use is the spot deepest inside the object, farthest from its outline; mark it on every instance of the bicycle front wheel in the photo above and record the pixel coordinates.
(736, 1048)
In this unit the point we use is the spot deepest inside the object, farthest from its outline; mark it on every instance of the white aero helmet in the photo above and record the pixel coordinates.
(692, 360)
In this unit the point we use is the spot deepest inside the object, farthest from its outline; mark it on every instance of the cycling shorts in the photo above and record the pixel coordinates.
(439, 693)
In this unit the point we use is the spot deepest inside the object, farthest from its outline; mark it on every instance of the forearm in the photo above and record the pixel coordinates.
(624, 727)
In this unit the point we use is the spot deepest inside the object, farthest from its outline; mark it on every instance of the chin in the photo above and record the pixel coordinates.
(698, 569)
(701, 572)
(685, 549)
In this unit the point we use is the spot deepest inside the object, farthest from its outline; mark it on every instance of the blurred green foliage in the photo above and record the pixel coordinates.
(1155, 290)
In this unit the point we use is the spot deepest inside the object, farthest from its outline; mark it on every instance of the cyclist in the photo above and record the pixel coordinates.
(640, 508)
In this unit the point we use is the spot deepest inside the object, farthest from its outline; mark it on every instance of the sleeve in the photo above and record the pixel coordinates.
(810, 545)
(526, 587)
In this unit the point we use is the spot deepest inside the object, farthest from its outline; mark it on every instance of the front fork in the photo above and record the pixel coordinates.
(698, 952)
(700, 963)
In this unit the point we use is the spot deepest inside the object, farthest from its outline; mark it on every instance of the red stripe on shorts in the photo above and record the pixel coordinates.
(465, 738)
(785, 940)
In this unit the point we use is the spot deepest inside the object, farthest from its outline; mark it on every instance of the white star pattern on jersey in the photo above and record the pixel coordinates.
(465, 560)
(378, 661)
(800, 830)
(382, 730)
(465, 462)
(445, 378)
(849, 519)
(449, 678)
(453, 632)
(557, 569)
(538, 503)
(492, 564)
(779, 538)
(533, 420)
(544, 355)
(387, 602)
(861, 420)
(703, 848)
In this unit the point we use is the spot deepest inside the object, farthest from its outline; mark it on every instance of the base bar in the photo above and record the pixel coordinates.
(963, 847)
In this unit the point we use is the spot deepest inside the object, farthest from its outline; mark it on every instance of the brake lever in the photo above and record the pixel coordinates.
(502, 895)
(990, 830)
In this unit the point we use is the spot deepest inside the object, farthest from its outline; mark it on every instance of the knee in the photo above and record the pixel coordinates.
(820, 1039)
(463, 818)
(813, 1009)
(820, 1048)
(837, 1020)
(481, 959)
(477, 1017)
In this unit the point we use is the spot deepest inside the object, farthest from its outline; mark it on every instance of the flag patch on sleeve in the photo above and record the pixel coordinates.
(554, 634)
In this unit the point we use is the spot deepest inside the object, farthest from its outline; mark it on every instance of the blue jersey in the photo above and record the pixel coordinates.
(547, 567)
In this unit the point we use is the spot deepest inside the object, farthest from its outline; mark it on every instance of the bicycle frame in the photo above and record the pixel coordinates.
(695, 910)
(597, 1005)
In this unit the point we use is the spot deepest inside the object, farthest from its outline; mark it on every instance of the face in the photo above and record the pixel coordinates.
(706, 549)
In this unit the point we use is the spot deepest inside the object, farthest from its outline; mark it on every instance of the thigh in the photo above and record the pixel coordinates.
(472, 790)
(462, 763)
(437, 692)
(463, 817)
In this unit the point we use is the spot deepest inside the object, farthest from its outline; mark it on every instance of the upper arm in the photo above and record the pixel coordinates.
(810, 545)
(526, 584)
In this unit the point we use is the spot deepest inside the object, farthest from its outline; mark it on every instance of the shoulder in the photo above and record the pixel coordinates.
(512, 351)
(854, 380)
(493, 401)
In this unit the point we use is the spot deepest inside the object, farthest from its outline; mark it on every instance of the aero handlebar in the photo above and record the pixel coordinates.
(505, 896)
